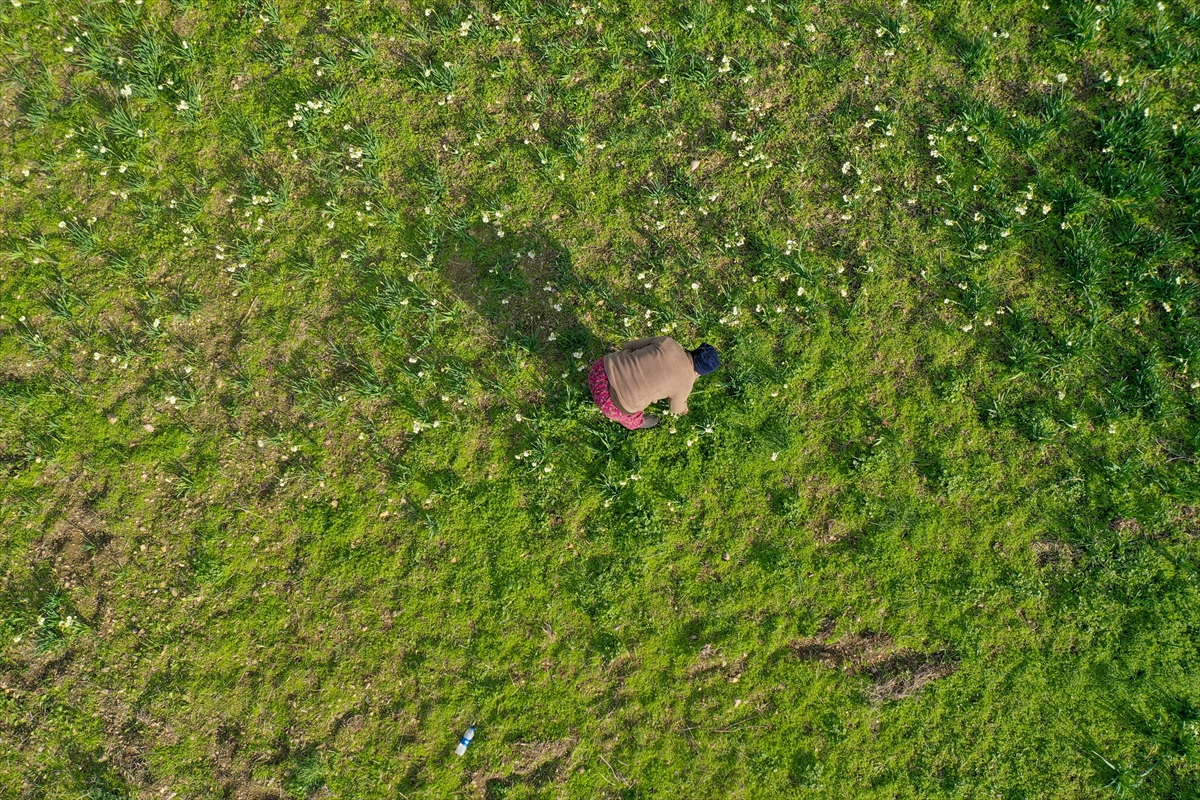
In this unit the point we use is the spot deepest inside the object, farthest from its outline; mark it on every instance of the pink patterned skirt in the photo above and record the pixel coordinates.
(598, 383)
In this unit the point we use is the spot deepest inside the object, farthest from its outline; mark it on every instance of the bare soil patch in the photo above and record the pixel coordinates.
(896, 672)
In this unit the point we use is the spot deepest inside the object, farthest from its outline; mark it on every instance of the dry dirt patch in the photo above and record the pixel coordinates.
(1052, 551)
(896, 672)
(530, 763)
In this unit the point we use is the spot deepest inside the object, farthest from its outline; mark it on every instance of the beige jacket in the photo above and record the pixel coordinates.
(647, 370)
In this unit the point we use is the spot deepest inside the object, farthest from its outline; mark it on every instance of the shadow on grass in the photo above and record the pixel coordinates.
(517, 286)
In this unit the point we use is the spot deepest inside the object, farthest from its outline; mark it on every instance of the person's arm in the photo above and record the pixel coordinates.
(679, 403)
(638, 344)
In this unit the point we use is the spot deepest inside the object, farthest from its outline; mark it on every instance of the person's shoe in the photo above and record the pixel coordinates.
(648, 421)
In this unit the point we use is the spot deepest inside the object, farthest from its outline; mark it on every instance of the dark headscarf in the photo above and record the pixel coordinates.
(705, 358)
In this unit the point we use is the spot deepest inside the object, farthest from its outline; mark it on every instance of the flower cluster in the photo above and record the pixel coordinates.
(533, 460)
(311, 108)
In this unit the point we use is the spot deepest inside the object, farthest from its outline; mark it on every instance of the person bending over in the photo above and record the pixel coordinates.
(646, 370)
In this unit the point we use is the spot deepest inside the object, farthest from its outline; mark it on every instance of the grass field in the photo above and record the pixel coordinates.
(298, 473)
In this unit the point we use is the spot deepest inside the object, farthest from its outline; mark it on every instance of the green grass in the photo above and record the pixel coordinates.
(298, 473)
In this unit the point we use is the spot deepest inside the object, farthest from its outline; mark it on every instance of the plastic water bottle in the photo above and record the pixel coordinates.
(466, 740)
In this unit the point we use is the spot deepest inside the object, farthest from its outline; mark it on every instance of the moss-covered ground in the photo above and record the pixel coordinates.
(298, 473)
